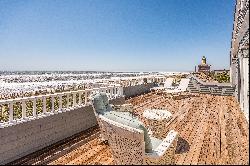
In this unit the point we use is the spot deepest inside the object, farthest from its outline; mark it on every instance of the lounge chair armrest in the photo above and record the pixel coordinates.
(169, 142)
(165, 152)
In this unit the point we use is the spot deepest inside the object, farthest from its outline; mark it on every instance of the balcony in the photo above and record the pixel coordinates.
(212, 130)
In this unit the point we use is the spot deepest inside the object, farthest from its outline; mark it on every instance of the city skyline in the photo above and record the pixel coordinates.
(115, 35)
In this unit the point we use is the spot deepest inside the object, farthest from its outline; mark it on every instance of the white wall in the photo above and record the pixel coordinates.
(246, 87)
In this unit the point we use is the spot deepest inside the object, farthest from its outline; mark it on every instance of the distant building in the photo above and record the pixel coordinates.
(204, 67)
(239, 55)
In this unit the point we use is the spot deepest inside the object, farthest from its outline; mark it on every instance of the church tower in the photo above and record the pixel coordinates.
(204, 67)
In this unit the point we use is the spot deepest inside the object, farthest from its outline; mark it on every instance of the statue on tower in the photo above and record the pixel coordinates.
(204, 67)
(203, 60)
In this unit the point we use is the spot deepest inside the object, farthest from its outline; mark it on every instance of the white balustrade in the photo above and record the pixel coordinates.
(113, 91)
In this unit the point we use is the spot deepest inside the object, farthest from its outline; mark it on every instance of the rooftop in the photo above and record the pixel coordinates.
(212, 130)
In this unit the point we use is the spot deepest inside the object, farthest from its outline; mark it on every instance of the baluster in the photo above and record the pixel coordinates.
(60, 102)
(52, 104)
(121, 91)
(11, 111)
(112, 91)
(108, 92)
(80, 98)
(116, 94)
(74, 99)
(86, 95)
(67, 100)
(118, 90)
(44, 104)
(1, 111)
(34, 107)
(23, 109)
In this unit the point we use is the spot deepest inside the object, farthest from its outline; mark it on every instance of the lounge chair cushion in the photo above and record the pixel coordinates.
(127, 119)
(98, 104)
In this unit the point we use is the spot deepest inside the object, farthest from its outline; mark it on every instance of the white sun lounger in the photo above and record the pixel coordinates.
(181, 88)
(167, 85)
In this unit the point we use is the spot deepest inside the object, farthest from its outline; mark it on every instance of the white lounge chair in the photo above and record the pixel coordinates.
(128, 145)
(167, 85)
(100, 105)
(181, 88)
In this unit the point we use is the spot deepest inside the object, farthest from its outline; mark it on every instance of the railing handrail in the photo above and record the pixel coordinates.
(54, 94)
(40, 96)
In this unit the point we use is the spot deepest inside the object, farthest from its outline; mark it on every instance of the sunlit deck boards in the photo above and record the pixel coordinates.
(212, 130)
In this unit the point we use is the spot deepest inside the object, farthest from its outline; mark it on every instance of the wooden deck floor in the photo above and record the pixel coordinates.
(212, 130)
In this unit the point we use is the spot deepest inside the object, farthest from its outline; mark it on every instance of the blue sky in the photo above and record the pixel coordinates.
(114, 35)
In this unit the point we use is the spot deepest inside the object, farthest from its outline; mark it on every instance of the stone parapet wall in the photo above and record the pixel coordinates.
(19, 140)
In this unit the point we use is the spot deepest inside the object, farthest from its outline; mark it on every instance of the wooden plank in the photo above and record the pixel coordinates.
(196, 148)
(75, 153)
(235, 135)
(242, 125)
(224, 159)
(86, 156)
(198, 138)
(213, 134)
(190, 133)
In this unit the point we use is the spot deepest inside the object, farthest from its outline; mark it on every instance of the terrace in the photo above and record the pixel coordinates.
(212, 130)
